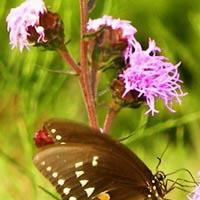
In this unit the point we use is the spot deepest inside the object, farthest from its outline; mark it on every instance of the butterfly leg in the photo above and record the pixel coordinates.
(176, 182)
(174, 185)
(183, 180)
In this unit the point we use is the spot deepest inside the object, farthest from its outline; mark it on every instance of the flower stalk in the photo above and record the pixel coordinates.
(110, 116)
(64, 53)
(84, 76)
(139, 76)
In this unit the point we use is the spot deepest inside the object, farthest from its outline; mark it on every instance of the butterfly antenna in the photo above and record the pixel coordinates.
(49, 193)
(160, 158)
(132, 133)
(125, 138)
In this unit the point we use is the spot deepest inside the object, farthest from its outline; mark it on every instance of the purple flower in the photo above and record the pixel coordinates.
(195, 195)
(127, 28)
(148, 74)
(152, 76)
(128, 31)
(20, 19)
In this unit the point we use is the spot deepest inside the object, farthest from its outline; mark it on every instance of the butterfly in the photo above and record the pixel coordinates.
(84, 164)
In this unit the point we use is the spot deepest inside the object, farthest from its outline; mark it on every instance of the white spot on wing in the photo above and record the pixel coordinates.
(53, 130)
(72, 198)
(79, 164)
(83, 182)
(66, 191)
(61, 182)
(63, 143)
(49, 168)
(89, 191)
(58, 137)
(79, 173)
(55, 174)
(94, 161)
(42, 163)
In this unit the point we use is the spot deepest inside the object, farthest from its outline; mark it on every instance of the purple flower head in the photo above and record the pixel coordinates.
(152, 76)
(195, 195)
(128, 31)
(20, 19)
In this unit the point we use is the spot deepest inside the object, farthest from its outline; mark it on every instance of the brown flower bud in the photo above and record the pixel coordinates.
(131, 99)
(106, 47)
(53, 31)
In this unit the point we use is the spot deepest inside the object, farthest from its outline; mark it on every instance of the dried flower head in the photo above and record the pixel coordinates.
(152, 76)
(195, 195)
(23, 18)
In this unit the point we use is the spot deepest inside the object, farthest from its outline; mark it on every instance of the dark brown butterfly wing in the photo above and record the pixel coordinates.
(64, 131)
(85, 171)
(83, 163)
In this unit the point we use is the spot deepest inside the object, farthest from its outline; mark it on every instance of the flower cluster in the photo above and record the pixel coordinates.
(152, 76)
(147, 73)
(23, 18)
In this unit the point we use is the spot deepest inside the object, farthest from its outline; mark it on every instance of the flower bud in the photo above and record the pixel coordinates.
(53, 31)
(106, 48)
(108, 41)
(130, 99)
(32, 24)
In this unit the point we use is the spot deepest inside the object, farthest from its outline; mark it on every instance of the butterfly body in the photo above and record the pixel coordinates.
(84, 164)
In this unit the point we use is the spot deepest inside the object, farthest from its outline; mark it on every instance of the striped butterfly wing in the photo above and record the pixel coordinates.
(82, 163)
(87, 172)
(64, 131)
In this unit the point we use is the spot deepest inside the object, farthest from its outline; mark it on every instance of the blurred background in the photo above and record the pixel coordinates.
(30, 94)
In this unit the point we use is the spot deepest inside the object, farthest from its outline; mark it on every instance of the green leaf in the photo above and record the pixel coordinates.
(49, 193)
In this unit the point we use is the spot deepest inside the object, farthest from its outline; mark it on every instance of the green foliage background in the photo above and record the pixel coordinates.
(30, 94)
